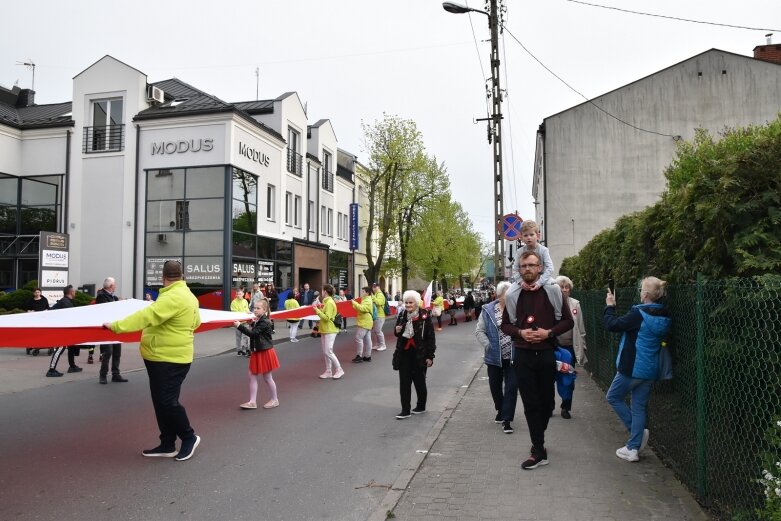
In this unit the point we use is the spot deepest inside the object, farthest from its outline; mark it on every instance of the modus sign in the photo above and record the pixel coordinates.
(253, 155)
(182, 145)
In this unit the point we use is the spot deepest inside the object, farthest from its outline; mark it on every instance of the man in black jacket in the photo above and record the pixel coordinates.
(65, 302)
(109, 352)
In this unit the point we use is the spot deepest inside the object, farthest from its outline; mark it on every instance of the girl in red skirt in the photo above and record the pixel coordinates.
(263, 358)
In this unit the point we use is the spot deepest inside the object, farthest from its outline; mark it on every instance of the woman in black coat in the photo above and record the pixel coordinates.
(415, 347)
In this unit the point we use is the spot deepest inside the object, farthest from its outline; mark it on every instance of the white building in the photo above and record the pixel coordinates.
(591, 169)
(138, 173)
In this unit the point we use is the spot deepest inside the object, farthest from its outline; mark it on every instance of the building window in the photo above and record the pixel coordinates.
(288, 207)
(270, 202)
(107, 133)
(323, 228)
(345, 227)
(330, 223)
(294, 160)
(328, 175)
(297, 212)
(182, 215)
(310, 217)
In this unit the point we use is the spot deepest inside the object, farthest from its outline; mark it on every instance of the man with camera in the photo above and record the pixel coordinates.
(533, 319)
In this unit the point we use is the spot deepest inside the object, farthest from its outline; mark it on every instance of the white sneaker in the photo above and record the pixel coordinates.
(339, 373)
(644, 443)
(294, 340)
(374, 348)
(383, 348)
(326, 374)
(627, 454)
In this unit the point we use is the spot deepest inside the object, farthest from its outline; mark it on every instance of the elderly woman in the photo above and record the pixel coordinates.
(499, 355)
(644, 328)
(415, 347)
(573, 340)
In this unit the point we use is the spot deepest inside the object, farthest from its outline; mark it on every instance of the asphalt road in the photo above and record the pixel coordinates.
(330, 451)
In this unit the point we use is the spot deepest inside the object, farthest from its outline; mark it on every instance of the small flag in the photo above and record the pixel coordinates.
(427, 296)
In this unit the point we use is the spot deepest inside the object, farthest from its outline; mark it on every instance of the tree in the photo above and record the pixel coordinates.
(395, 149)
(443, 242)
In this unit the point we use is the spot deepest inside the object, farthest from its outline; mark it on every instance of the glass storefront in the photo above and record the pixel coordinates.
(28, 206)
(338, 269)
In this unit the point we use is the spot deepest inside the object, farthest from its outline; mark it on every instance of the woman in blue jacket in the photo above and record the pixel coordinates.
(498, 357)
(637, 365)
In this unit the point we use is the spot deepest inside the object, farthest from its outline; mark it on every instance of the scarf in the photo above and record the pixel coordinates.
(409, 332)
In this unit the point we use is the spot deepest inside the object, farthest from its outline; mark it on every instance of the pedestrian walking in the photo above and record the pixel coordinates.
(499, 357)
(109, 353)
(364, 323)
(437, 308)
(292, 303)
(306, 298)
(644, 328)
(263, 359)
(342, 320)
(534, 318)
(327, 330)
(574, 341)
(378, 337)
(66, 302)
(240, 305)
(36, 303)
(168, 326)
(451, 310)
(415, 347)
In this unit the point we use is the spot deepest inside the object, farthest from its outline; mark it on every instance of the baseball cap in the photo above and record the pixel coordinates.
(374, 284)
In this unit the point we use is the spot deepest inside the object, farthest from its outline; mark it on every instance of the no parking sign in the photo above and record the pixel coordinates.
(511, 227)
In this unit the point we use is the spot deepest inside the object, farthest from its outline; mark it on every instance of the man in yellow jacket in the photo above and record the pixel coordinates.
(168, 326)
(364, 323)
(379, 300)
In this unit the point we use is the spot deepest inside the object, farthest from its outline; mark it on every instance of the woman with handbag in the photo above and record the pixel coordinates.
(437, 307)
(414, 354)
(327, 329)
(644, 328)
(263, 359)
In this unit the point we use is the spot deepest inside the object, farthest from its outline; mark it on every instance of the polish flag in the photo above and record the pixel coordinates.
(427, 296)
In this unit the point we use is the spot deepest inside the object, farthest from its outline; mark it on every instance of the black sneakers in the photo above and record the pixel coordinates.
(52, 373)
(188, 448)
(357, 360)
(537, 459)
(565, 414)
(118, 378)
(159, 452)
(507, 428)
(498, 418)
(74, 369)
(102, 380)
(367, 359)
(418, 410)
(403, 415)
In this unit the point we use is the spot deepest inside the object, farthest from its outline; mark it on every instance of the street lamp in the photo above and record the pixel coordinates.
(495, 133)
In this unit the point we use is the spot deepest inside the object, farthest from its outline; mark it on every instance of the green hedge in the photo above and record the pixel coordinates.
(720, 216)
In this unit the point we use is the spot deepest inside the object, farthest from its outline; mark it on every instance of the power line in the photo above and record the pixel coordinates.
(509, 124)
(672, 17)
(588, 100)
(479, 59)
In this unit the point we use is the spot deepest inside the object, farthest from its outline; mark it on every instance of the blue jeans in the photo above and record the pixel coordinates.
(632, 417)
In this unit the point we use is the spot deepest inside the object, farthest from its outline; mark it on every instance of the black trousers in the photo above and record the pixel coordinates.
(55, 359)
(165, 384)
(536, 372)
(110, 352)
(411, 373)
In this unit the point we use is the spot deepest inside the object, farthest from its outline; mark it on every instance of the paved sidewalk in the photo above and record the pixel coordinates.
(20, 372)
(472, 471)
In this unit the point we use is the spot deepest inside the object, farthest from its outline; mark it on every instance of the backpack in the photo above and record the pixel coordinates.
(374, 311)
(386, 308)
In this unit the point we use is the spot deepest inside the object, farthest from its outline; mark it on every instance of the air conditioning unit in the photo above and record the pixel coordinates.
(155, 94)
(161, 237)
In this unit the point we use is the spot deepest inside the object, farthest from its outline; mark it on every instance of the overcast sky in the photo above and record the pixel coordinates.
(353, 60)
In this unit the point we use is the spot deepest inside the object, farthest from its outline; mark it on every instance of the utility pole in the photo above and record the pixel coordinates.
(496, 123)
(257, 83)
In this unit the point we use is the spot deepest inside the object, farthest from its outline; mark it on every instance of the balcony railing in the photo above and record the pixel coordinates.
(108, 138)
(328, 180)
(295, 163)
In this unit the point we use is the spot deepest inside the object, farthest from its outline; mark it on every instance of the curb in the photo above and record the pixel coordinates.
(415, 461)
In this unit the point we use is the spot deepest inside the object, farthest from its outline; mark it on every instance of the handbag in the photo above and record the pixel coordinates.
(436, 311)
(665, 363)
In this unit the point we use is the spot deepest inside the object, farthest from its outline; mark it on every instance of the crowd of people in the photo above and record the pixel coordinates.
(531, 330)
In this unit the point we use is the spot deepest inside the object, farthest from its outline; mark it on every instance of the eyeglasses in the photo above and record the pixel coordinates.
(529, 266)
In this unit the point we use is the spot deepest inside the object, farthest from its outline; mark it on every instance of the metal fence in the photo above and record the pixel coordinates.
(710, 422)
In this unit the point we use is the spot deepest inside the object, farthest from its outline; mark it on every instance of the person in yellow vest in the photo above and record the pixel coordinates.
(327, 313)
(168, 327)
(378, 336)
(437, 308)
(364, 322)
(292, 303)
(240, 305)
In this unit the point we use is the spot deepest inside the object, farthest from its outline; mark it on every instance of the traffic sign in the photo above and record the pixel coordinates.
(511, 226)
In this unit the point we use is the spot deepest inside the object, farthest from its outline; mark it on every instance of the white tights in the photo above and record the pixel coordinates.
(253, 386)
